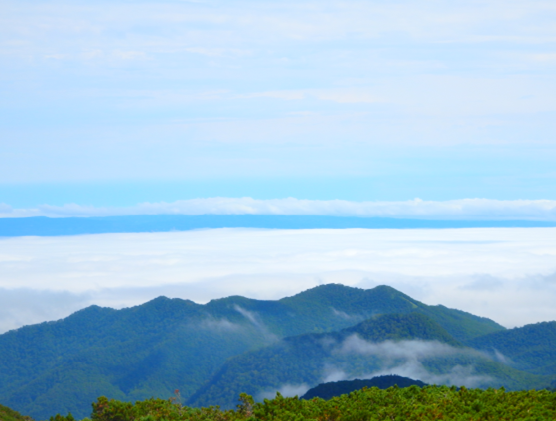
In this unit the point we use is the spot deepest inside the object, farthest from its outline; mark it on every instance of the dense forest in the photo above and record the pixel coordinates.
(7, 414)
(373, 404)
(213, 352)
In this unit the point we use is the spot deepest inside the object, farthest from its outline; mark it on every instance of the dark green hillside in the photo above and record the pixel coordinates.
(168, 344)
(401, 326)
(530, 348)
(128, 354)
(412, 339)
(331, 389)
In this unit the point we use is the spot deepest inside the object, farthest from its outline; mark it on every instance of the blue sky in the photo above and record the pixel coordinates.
(114, 103)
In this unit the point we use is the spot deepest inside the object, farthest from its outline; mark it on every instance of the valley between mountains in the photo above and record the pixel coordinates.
(214, 352)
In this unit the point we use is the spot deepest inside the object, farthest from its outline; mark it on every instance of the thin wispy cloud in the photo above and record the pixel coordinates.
(543, 210)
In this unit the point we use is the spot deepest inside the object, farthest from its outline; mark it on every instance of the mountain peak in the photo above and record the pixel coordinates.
(402, 327)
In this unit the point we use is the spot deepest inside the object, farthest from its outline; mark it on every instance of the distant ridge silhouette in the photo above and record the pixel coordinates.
(342, 387)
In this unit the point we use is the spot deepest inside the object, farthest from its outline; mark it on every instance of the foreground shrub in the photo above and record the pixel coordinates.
(408, 404)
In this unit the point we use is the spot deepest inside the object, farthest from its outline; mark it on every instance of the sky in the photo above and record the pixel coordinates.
(114, 103)
(404, 108)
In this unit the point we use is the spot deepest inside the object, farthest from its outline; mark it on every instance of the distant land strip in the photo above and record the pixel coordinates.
(45, 226)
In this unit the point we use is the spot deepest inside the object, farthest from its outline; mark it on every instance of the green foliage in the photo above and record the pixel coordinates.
(7, 414)
(413, 403)
(354, 305)
(401, 326)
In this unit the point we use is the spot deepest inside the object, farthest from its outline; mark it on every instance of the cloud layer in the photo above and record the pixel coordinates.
(543, 210)
(506, 274)
(405, 358)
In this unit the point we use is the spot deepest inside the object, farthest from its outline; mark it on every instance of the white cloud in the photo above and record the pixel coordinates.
(255, 321)
(457, 376)
(407, 350)
(220, 325)
(405, 358)
(417, 208)
(446, 267)
(286, 390)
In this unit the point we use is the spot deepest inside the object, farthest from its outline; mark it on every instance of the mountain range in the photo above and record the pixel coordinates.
(215, 351)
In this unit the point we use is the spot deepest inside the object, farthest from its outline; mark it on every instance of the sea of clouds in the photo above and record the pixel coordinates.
(507, 274)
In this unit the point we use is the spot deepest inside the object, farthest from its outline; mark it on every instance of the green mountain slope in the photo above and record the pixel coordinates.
(400, 343)
(7, 414)
(530, 348)
(331, 389)
(129, 354)
(168, 344)
(398, 327)
(358, 304)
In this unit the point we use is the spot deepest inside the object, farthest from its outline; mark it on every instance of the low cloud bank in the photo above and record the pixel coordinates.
(506, 274)
(457, 376)
(286, 390)
(410, 350)
(405, 358)
(540, 210)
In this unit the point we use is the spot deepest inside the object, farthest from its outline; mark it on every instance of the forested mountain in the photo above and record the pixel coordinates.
(342, 387)
(530, 348)
(408, 344)
(167, 344)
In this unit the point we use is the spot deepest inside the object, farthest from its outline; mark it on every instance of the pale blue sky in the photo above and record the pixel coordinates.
(113, 103)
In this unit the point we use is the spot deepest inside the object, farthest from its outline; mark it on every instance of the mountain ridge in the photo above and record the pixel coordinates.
(171, 343)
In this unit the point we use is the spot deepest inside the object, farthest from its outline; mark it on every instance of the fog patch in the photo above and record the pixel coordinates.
(501, 357)
(254, 319)
(405, 358)
(220, 325)
(457, 376)
(346, 316)
(286, 390)
(412, 350)
(333, 374)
